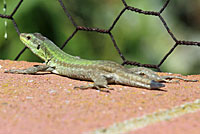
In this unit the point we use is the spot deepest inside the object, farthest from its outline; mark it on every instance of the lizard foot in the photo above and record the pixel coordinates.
(169, 79)
(94, 86)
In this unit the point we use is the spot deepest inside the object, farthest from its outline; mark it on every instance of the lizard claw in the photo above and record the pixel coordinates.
(93, 86)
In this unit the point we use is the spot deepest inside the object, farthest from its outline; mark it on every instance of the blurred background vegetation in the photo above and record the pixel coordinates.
(140, 38)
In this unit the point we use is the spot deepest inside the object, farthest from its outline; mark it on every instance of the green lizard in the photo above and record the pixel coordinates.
(101, 72)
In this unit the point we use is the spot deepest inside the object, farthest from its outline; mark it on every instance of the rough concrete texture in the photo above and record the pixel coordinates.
(48, 104)
(187, 124)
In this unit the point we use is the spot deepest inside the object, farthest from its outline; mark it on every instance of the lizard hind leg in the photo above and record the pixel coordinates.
(100, 81)
(152, 75)
(145, 72)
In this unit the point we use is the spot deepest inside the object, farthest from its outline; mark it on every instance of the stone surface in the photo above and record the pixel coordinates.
(47, 103)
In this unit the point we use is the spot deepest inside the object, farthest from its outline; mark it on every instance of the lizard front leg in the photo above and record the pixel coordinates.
(31, 70)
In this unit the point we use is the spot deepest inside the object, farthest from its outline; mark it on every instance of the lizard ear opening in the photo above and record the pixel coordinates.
(38, 47)
(28, 37)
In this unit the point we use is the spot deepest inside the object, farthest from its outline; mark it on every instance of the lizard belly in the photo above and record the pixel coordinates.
(74, 73)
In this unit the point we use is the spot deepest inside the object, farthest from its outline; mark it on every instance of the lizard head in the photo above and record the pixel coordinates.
(35, 42)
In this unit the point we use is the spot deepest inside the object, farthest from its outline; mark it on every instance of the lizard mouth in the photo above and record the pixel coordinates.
(23, 38)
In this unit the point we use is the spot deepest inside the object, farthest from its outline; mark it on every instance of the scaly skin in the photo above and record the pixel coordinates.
(100, 71)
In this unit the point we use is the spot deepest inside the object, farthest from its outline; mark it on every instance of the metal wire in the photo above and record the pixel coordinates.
(108, 31)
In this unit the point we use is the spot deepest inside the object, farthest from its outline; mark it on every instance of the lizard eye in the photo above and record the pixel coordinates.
(28, 37)
(38, 47)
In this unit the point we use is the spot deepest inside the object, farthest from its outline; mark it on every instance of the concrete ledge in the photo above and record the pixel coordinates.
(47, 103)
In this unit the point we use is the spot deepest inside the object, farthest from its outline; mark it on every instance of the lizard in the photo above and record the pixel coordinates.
(101, 72)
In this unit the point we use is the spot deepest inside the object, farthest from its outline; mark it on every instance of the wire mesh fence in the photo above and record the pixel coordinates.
(109, 31)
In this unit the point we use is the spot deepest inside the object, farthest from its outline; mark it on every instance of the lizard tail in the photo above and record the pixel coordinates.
(156, 85)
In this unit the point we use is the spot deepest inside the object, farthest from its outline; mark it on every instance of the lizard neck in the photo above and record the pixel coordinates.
(55, 56)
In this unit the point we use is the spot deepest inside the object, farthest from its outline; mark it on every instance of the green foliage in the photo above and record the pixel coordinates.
(140, 38)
